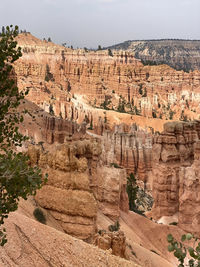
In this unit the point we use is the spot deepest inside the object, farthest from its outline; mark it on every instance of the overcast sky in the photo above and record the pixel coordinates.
(91, 22)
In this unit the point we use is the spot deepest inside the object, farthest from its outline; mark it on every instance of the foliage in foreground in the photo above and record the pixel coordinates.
(181, 251)
(17, 178)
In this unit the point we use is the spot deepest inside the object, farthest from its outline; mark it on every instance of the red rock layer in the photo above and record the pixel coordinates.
(130, 148)
(175, 174)
(51, 72)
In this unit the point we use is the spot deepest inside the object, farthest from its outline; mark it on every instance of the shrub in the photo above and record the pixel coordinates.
(91, 125)
(101, 231)
(140, 89)
(121, 105)
(51, 111)
(105, 104)
(48, 75)
(99, 47)
(132, 190)
(114, 227)
(110, 52)
(115, 165)
(39, 215)
(171, 114)
(173, 223)
(154, 114)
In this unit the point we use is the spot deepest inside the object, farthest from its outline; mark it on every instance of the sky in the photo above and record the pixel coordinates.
(89, 23)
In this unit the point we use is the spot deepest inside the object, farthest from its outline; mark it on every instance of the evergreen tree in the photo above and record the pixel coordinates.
(3, 30)
(99, 47)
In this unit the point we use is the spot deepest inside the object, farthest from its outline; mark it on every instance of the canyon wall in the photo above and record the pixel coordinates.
(78, 186)
(56, 76)
(175, 174)
(179, 54)
(73, 84)
(42, 127)
(129, 147)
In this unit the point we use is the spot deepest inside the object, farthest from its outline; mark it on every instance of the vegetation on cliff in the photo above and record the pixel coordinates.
(132, 190)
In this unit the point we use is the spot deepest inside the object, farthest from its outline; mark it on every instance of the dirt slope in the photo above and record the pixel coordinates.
(146, 239)
(33, 244)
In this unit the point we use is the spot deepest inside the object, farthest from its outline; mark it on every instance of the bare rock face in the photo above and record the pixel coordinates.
(67, 194)
(116, 241)
(55, 75)
(43, 127)
(189, 215)
(179, 54)
(58, 130)
(110, 191)
(130, 148)
(175, 174)
(78, 185)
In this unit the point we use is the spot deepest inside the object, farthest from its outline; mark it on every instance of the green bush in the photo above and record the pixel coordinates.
(154, 114)
(114, 227)
(121, 105)
(51, 111)
(91, 125)
(140, 89)
(110, 52)
(173, 223)
(132, 190)
(48, 75)
(115, 165)
(39, 215)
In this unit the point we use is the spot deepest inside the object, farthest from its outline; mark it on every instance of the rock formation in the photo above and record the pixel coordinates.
(179, 54)
(67, 194)
(43, 127)
(78, 186)
(130, 147)
(56, 76)
(175, 175)
(116, 241)
(110, 191)
(72, 85)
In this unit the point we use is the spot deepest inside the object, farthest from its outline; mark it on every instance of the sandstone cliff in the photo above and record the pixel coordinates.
(42, 127)
(78, 186)
(130, 147)
(179, 54)
(175, 174)
(56, 76)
